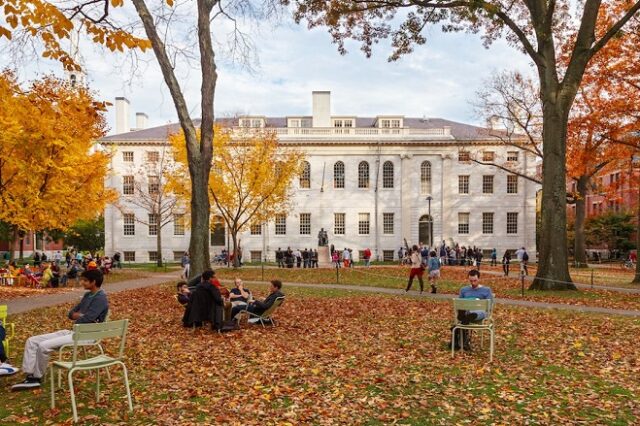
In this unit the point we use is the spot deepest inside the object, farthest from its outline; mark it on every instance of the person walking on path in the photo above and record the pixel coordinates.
(186, 265)
(506, 260)
(417, 269)
(494, 257)
(523, 258)
(434, 271)
(346, 257)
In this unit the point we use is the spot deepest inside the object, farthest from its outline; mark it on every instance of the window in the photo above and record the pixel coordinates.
(218, 231)
(343, 123)
(177, 256)
(153, 256)
(487, 184)
(387, 174)
(178, 224)
(488, 156)
(363, 175)
(127, 156)
(127, 185)
(464, 156)
(153, 224)
(512, 223)
(463, 223)
(363, 223)
(487, 223)
(154, 185)
(305, 223)
(387, 223)
(256, 229)
(386, 123)
(305, 176)
(338, 223)
(129, 256)
(153, 156)
(425, 178)
(129, 220)
(512, 184)
(281, 224)
(348, 123)
(256, 256)
(387, 255)
(338, 175)
(463, 184)
(512, 155)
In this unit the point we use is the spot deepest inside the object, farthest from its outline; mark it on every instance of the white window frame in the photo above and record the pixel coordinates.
(512, 184)
(305, 224)
(388, 223)
(255, 229)
(129, 224)
(128, 188)
(153, 184)
(363, 175)
(487, 184)
(305, 176)
(153, 225)
(512, 223)
(388, 175)
(281, 224)
(463, 184)
(339, 223)
(127, 156)
(364, 223)
(425, 178)
(338, 175)
(488, 223)
(178, 224)
(464, 220)
(153, 156)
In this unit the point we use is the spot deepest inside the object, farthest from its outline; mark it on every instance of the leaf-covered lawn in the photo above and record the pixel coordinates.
(452, 279)
(340, 357)
(116, 275)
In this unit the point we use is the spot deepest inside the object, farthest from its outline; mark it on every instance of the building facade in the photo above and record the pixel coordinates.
(370, 182)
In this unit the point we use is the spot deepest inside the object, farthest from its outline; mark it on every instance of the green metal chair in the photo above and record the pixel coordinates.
(266, 315)
(93, 332)
(9, 328)
(484, 325)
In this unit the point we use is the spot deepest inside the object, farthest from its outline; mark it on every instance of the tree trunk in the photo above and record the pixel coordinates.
(21, 235)
(159, 244)
(200, 207)
(553, 268)
(580, 247)
(12, 243)
(234, 238)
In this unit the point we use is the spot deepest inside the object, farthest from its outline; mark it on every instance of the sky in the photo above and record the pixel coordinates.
(438, 79)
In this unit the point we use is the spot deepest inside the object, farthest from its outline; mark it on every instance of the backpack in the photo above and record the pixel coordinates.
(525, 256)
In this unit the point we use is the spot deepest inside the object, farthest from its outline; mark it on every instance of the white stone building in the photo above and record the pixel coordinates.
(368, 184)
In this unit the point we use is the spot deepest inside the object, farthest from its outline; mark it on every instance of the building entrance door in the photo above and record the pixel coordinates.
(425, 230)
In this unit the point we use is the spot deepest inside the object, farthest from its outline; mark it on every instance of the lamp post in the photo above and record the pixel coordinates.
(430, 222)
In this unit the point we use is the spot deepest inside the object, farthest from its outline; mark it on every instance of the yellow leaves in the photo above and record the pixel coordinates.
(4, 32)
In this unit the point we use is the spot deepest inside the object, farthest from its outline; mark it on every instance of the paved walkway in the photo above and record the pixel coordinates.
(25, 304)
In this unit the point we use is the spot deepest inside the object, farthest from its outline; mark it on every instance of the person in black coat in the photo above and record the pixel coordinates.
(258, 307)
(206, 304)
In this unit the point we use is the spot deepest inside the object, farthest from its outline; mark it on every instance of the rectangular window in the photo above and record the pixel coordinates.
(348, 123)
(512, 223)
(387, 255)
(245, 122)
(153, 156)
(512, 155)
(463, 223)
(129, 256)
(487, 184)
(154, 185)
(281, 224)
(305, 223)
(256, 229)
(178, 224)
(127, 185)
(487, 223)
(129, 220)
(127, 156)
(464, 156)
(153, 224)
(385, 123)
(338, 223)
(177, 256)
(488, 156)
(363, 223)
(387, 223)
(337, 123)
(256, 256)
(512, 184)
(153, 256)
(463, 184)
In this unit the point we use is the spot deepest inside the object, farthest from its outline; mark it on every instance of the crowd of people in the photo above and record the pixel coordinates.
(307, 258)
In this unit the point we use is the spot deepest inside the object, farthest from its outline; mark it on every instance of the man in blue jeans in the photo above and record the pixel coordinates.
(472, 291)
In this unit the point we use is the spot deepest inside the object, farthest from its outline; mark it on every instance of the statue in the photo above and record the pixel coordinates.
(323, 238)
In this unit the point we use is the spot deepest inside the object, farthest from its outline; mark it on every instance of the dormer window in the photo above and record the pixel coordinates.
(343, 122)
(251, 122)
(299, 122)
(390, 122)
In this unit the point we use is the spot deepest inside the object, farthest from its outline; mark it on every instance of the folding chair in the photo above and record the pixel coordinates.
(266, 315)
(484, 325)
(9, 327)
(95, 332)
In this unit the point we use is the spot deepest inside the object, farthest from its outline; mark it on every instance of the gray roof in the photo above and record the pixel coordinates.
(459, 131)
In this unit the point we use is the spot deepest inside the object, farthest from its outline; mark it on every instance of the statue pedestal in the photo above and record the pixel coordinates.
(324, 257)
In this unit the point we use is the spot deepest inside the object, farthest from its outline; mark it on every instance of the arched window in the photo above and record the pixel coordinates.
(425, 178)
(305, 176)
(387, 174)
(338, 175)
(425, 230)
(363, 175)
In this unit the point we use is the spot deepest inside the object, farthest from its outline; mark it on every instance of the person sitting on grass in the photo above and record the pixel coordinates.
(472, 291)
(183, 293)
(6, 369)
(258, 307)
(93, 307)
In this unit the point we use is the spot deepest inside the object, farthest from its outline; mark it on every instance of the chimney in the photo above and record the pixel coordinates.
(141, 120)
(122, 115)
(321, 108)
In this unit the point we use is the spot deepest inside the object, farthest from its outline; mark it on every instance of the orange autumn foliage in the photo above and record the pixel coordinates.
(50, 173)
